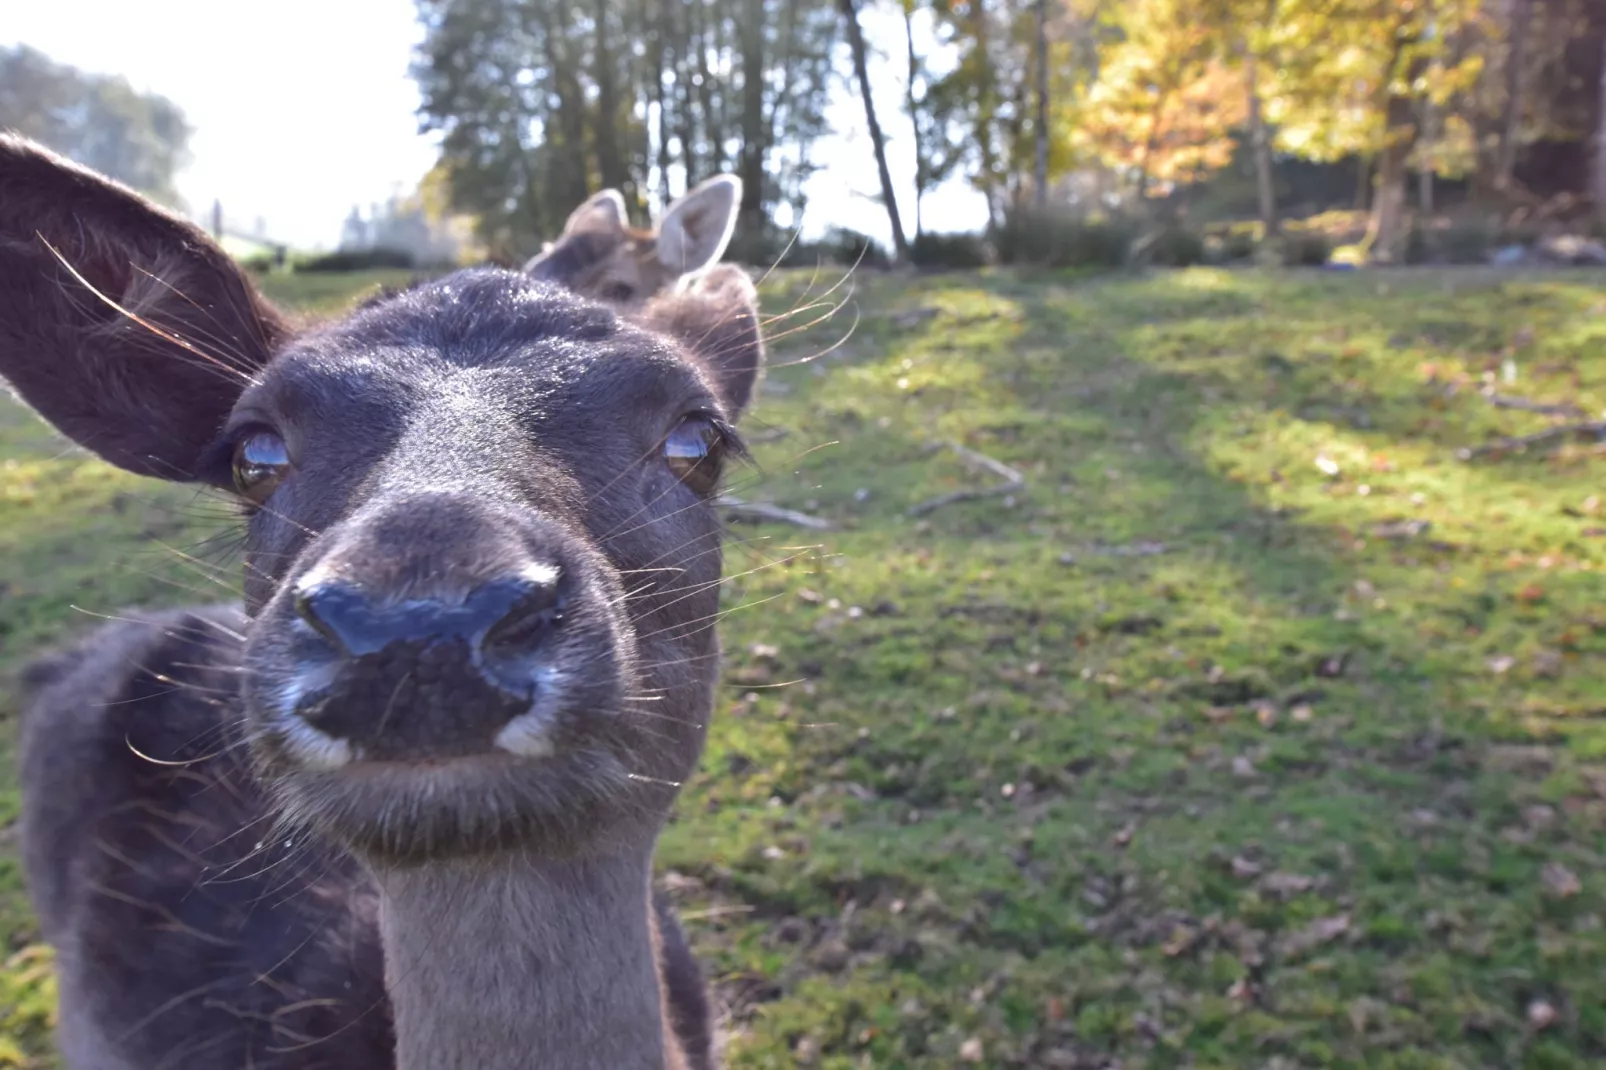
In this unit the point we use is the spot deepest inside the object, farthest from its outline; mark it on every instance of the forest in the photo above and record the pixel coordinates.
(1086, 110)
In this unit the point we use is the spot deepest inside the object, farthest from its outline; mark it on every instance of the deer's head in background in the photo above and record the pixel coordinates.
(599, 255)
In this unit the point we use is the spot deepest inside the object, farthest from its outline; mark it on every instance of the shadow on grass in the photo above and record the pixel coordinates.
(1241, 799)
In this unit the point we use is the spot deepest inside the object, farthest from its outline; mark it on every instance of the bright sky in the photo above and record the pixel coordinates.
(303, 108)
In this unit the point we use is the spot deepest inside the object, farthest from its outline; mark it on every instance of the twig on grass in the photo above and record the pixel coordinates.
(1538, 438)
(765, 511)
(1543, 408)
(1012, 480)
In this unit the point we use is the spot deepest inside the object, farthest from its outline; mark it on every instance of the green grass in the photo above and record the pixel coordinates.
(1311, 787)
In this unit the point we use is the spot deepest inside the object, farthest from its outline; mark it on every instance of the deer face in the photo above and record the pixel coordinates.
(482, 560)
(601, 256)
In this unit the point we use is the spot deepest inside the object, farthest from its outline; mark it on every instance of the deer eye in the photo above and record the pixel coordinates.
(695, 450)
(260, 462)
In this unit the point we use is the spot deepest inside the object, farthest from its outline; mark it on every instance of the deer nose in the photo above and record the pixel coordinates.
(505, 618)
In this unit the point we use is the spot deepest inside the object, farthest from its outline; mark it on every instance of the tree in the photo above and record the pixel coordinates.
(140, 139)
(1516, 48)
(1356, 77)
(1040, 123)
(850, 19)
(1166, 102)
(1600, 143)
(539, 104)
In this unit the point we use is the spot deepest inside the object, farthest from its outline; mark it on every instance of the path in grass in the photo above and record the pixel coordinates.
(1256, 731)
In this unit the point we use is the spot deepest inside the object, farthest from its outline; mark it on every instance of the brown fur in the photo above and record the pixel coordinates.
(224, 884)
(600, 255)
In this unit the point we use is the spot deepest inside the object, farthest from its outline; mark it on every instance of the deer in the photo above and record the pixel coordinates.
(600, 255)
(398, 806)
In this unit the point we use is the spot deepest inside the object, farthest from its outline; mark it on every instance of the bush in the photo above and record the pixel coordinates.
(1057, 238)
(840, 246)
(365, 260)
(1464, 242)
(260, 263)
(1305, 248)
(951, 251)
(1236, 243)
(1172, 246)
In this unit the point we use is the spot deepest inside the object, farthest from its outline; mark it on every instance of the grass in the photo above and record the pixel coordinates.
(1257, 730)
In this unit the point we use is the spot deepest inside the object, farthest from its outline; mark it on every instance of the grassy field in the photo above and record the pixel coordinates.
(1257, 729)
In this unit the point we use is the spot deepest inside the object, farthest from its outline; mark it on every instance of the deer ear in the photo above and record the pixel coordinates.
(696, 229)
(122, 324)
(601, 211)
(715, 320)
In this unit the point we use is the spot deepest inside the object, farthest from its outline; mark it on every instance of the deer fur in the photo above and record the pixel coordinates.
(600, 255)
(399, 807)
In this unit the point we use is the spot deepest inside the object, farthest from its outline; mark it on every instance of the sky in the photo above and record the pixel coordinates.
(303, 108)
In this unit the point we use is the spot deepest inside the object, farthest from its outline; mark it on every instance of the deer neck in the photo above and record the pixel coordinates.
(515, 962)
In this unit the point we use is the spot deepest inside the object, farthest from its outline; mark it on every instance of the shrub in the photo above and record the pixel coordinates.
(951, 251)
(259, 264)
(1237, 242)
(840, 246)
(1057, 238)
(1172, 246)
(1305, 248)
(364, 260)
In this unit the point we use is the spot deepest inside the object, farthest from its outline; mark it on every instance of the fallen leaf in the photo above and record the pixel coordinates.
(1266, 714)
(1123, 835)
(971, 1051)
(1243, 767)
(1531, 594)
(1326, 464)
(1319, 932)
(1182, 940)
(1302, 713)
(1287, 883)
(1560, 881)
(1501, 663)
(1243, 868)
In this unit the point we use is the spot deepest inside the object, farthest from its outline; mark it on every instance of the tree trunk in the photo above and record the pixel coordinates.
(1600, 147)
(755, 140)
(1363, 182)
(659, 54)
(705, 93)
(1040, 175)
(686, 105)
(861, 71)
(986, 81)
(1385, 231)
(610, 153)
(1424, 177)
(1261, 144)
(913, 107)
(1511, 117)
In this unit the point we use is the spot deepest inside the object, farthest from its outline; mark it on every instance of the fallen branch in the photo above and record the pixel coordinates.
(1012, 480)
(1538, 438)
(1543, 408)
(766, 511)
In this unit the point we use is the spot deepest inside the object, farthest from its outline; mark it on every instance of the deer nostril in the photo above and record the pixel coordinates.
(506, 618)
(338, 612)
(534, 612)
